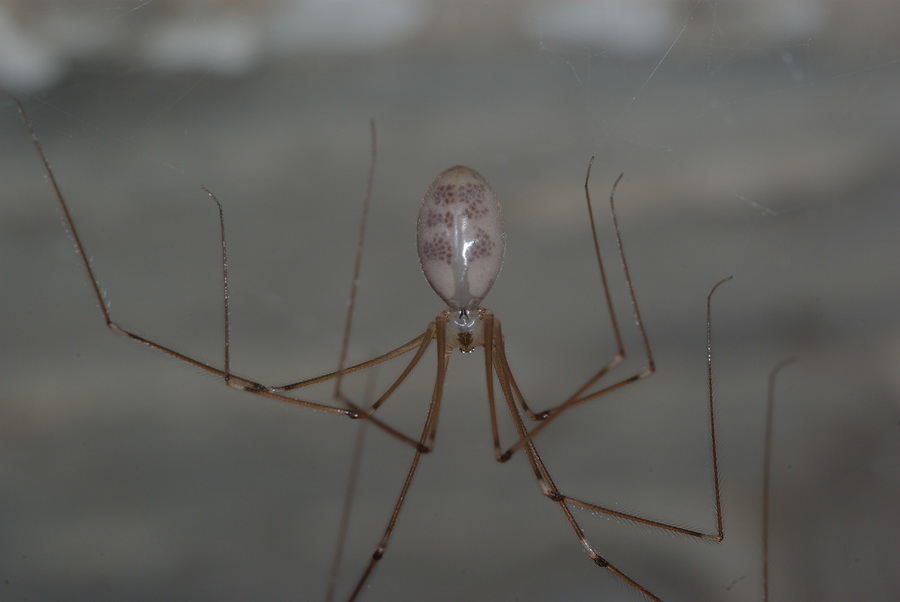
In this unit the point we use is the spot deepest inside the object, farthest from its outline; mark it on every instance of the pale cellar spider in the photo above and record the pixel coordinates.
(461, 243)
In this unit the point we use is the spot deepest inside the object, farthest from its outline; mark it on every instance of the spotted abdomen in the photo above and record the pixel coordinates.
(460, 237)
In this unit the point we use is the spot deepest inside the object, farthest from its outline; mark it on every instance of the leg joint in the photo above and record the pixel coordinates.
(555, 495)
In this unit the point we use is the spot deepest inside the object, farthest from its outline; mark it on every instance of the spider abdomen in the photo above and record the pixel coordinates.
(460, 237)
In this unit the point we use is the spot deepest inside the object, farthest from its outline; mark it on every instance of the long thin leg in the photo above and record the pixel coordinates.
(349, 495)
(360, 439)
(359, 443)
(548, 487)
(767, 469)
(346, 507)
(402, 349)
(227, 375)
(357, 265)
(580, 396)
(348, 324)
(426, 440)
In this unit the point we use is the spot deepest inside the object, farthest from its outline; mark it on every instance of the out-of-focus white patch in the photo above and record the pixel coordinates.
(346, 25)
(628, 27)
(40, 40)
(787, 21)
(228, 42)
(27, 63)
(641, 28)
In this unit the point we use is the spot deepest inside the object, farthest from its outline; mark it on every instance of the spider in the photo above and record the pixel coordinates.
(461, 243)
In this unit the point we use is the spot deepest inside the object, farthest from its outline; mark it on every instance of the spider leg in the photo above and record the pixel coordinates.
(582, 394)
(541, 473)
(425, 444)
(497, 362)
(549, 489)
(226, 374)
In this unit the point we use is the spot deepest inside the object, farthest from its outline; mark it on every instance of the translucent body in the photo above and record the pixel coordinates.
(461, 245)
(460, 237)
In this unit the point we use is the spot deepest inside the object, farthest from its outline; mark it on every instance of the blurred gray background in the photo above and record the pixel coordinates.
(758, 140)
